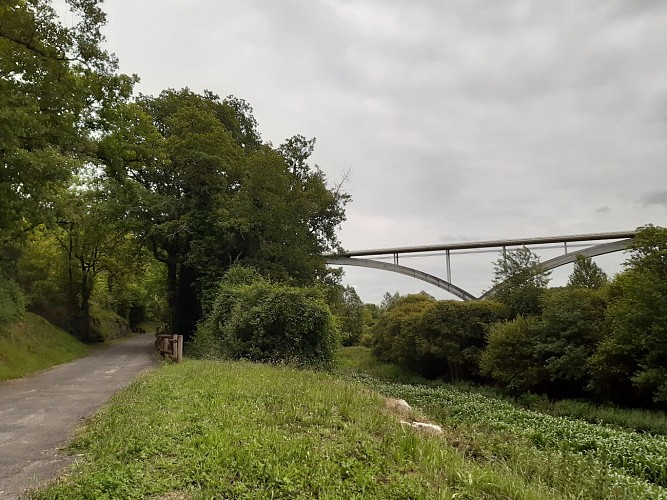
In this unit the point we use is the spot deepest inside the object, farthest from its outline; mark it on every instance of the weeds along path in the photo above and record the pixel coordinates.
(39, 413)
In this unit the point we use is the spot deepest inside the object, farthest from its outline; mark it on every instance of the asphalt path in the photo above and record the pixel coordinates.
(39, 413)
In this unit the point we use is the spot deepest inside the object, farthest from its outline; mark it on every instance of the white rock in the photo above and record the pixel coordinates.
(424, 427)
(398, 404)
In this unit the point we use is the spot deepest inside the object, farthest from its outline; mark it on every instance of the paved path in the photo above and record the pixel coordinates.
(39, 413)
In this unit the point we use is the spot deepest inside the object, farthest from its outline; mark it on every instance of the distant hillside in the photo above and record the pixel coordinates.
(35, 344)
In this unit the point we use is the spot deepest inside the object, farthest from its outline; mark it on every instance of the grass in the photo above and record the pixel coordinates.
(359, 359)
(571, 456)
(35, 344)
(206, 429)
(106, 324)
(649, 421)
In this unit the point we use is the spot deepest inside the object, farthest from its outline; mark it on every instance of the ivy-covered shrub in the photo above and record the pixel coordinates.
(255, 319)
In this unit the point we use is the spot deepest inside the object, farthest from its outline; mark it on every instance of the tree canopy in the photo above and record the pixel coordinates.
(183, 175)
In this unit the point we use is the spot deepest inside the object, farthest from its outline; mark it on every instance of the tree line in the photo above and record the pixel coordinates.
(138, 204)
(596, 338)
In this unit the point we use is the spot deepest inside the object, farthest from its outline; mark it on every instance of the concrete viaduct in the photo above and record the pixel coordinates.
(621, 240)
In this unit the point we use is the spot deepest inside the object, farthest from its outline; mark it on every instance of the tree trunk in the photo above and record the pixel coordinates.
(84, 316)
(172, 292)
(188, 309)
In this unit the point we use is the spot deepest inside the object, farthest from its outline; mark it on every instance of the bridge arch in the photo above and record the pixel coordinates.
(407, 271)
(593, 251)
(568, 258)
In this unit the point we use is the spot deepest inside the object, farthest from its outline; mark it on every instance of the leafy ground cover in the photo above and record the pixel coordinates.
(35, 344)
(572, 456)
(206, 429)
(359, 359)
(582, 457)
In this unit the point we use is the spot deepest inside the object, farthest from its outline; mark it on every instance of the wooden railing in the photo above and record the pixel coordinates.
(169, 345)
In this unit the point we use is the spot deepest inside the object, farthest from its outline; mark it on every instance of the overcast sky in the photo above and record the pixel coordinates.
(457, 120)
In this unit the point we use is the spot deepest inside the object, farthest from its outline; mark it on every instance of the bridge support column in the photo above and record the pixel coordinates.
(449, 267)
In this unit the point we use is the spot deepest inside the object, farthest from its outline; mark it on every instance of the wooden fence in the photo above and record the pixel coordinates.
(169, 345)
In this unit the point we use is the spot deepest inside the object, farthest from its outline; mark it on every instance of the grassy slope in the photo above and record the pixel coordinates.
(205, 429)
(35, 344)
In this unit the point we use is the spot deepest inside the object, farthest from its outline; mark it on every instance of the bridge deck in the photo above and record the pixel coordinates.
(488, 244)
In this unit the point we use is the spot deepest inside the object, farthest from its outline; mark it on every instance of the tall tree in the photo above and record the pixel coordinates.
(89, 234)
(587, 274)
(634, 354)
(203, 193)
(56, 85)
(519, 280)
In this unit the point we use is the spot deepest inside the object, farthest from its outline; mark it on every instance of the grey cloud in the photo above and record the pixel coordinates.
(467, 117)
(654, 198)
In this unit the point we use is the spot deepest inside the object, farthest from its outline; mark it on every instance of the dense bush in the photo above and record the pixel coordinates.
(572, 325)
(257, 320)
(435, 338)
(551, 352)
(396, 334)
(633, 356)
(454, 333)
(510, 356)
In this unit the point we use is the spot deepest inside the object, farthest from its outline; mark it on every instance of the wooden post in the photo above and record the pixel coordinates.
(179, 351)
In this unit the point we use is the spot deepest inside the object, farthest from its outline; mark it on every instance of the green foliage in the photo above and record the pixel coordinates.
(637, 420)
(434, 338)
(453, 334)
(56, 83)
(262, 321)
(396, 334)
(587, 274)
(349, 311)
(575, 458)
(572, 325)
(106, 325)
(510, 355)
(12, 302)
(202, 192)
(634, 354)
(519, 281)
(42, 274)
